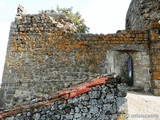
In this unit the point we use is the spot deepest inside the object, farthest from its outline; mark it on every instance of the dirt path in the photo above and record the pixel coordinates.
(143, 106)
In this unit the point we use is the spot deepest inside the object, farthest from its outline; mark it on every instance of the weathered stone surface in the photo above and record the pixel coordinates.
(45, 54)
(49, 59)
(121, 105)
(156, 92)
(36, 116)
(122, 91)
(141, 13)
(81, 108)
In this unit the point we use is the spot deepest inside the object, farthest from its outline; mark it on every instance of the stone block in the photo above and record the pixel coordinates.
(9, 97)
(122, 107)
(10, 91)
(155, 92)
(156, 84)
(146, 86)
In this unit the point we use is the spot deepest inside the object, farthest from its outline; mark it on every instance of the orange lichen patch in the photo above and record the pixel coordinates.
(66, 63)
(13, 37)
(92, 66)
(27, 42)
(158, 6)
(154, 25)
(122, 42)
(59, 33)
(20, 77)
(86, 57)
(28, 75)
(14, 47)
(77, 46)
(158, 69)
(43, 49)
(77, 56)
(105, 39)
(158, 46)
(41, 61)
(90, 53)
(129, 42)
(48, 53)
(33, 60)
(20, 49)
(60, 59)
(33, 44)
(111, 45)
(154, 36)
(140, 35)
(119, 118)
(62, 45)
(158, 55)
(99, 45)
(30, 50)
(156, 62)
(83, 48)
(68, 50)
(106, 45)
(145, 45)
(97, 59)
(158, 85)
(48, 38)
(156, 75)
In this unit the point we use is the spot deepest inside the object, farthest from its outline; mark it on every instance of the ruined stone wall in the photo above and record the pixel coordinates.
(145, 14)
(141, 13)
(155, 57)
(105, 101)
(42, 57)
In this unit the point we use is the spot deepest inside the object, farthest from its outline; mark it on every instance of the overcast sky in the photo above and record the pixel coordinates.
(101, 16)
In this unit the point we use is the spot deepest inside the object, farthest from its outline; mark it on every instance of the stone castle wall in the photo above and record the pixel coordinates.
(42, 58)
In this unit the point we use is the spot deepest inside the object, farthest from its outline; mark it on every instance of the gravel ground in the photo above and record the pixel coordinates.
(143, 106)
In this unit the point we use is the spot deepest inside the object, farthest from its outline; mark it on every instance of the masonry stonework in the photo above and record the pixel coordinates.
(141, 13)
(45, 54)
(99, 99)
(41, 58)
(145, 14)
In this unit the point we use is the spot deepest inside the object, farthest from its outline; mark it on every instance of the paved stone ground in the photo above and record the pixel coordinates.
(143, 106)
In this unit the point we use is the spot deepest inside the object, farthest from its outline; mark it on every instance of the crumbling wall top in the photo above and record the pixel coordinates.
(141, 13)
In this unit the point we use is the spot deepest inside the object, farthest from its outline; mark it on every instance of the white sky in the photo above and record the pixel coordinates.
(101, 16)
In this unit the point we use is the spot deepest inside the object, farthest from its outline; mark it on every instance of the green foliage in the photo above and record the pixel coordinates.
(76, 18)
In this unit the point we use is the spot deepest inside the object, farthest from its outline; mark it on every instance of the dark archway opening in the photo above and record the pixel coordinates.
(127, 68)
